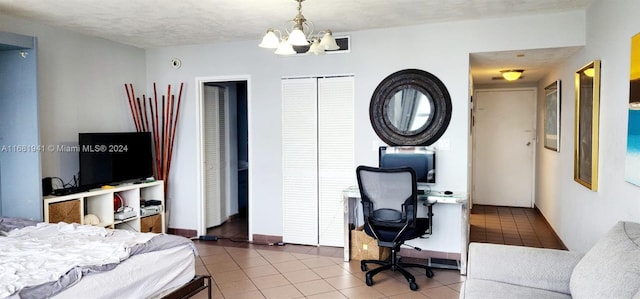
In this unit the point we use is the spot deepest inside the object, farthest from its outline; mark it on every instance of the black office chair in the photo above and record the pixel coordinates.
(383, 192)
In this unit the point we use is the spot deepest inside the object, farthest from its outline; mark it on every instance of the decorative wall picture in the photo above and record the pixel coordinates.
(552, 116)
(587, 82)
(632, 163)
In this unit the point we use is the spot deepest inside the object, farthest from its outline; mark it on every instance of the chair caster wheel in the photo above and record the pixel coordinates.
(429, 273)
(363, 267)
(413, 286)
(369, 281)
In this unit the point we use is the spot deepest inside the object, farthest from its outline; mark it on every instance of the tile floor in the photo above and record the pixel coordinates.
(512, 226)
(243, 270)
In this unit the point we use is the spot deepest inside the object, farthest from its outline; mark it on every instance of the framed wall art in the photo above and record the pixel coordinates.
(632, 159)
(552, 116)
(587, 84)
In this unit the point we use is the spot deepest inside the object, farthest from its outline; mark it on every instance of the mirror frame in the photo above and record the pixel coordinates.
(587, 111)
(426, 83)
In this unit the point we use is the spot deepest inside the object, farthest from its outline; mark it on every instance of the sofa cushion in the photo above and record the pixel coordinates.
(483, 289)
(611, 269)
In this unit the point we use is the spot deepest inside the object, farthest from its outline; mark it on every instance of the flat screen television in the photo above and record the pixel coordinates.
(109, 158)
(420, 158)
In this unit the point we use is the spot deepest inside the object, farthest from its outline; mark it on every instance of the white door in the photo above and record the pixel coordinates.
(336, 147)
(318, 157)
(300, 161)
(504, 144)
(214, 155)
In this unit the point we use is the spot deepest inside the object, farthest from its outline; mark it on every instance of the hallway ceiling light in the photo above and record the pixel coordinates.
(511, 75)
(299, 32)
(590, 72)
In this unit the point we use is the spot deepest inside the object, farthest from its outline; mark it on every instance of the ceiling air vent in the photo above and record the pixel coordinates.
(343, 41)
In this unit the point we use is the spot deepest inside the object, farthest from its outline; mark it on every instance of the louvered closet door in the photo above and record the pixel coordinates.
(300, 161)
(214, 162)
(318, 158)
(336, 168)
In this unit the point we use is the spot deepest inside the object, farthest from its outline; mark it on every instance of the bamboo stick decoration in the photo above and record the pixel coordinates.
(164, 122)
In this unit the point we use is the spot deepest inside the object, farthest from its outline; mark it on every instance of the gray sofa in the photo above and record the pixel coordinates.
(610, 269)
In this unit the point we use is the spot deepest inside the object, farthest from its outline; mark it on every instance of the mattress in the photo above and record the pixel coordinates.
(147, 275)
(78, 261)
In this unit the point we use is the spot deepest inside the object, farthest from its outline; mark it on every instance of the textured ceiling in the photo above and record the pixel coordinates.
(160, 23)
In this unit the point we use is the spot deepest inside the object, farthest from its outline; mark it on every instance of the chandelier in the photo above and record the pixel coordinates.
(299, 32)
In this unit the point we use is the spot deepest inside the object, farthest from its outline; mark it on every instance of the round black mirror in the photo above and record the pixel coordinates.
(410, 107)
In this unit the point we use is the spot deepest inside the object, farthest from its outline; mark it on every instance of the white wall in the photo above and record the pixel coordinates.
(442, 49)
(578, 215)
(80, 88)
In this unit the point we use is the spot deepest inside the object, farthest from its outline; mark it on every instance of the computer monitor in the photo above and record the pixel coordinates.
(420, 158)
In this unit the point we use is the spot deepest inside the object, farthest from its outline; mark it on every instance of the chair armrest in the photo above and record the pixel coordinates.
(548, 269)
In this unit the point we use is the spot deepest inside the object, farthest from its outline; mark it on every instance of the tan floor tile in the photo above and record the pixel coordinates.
(235, 287)
(230, 276)
(250, 261)
(245, 252)
(301, 276)
(330, 271)
(271, 281)
(448, 276)
(283, 292)
(411, 295)
(245, 295)
(217, 258)
(304, 256)
(217, 268)
(440, 293)
(277, 256)
(313, 287)
(329, 295)
(290, 266)
(215, 291)
(201, 270)
(206, 250)
(318, 262)
(424, 282)
(456, 286)
(391, 287)
(362, 292)
(345, 281)
(260, 271)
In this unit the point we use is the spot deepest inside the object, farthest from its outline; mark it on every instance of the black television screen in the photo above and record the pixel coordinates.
(107, 158)
(420, 158)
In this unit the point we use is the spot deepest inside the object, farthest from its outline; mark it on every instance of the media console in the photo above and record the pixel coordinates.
(77, 207)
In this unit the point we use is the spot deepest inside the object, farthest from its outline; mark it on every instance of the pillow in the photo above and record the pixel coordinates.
(611, 269)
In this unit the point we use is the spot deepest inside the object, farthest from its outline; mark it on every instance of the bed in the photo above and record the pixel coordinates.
(45, 260)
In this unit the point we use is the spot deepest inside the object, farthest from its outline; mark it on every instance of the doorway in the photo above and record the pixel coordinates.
(20, 149)
(504, 137)
(223, 151)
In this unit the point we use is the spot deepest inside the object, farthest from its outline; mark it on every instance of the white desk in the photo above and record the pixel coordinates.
(450, 232)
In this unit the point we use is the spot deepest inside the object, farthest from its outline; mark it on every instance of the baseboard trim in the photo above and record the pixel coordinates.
(266, 239)
(427, 254)
(187, 233)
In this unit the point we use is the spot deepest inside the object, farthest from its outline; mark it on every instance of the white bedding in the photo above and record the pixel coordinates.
(34, 255)
(148, 275)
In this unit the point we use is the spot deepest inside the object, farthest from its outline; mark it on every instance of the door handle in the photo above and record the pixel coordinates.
(529, 143)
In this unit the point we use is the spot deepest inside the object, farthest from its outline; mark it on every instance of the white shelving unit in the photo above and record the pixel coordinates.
(100, 202)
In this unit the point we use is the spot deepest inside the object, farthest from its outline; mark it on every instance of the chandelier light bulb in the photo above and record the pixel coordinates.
(285, 48)
(328, 42)
(270, 40)
(316, 48)
(297, 37)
